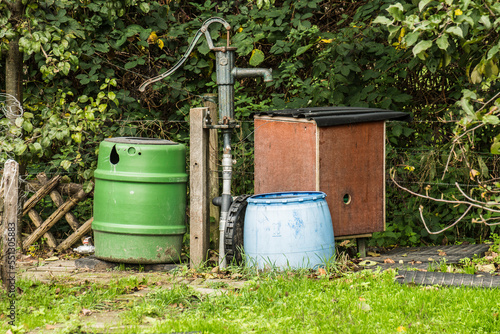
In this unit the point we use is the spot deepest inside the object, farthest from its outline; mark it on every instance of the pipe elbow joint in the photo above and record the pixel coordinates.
(265, 73)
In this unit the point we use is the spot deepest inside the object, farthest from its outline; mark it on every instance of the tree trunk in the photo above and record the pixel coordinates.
(14, 84)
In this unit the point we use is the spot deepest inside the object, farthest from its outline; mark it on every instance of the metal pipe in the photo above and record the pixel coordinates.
(266, 73)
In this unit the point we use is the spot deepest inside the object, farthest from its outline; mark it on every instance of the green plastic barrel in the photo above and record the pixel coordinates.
(140, 200)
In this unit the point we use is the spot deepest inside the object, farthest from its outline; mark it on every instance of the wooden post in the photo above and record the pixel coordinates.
(199, 219)
(8, 235)
(213, 167)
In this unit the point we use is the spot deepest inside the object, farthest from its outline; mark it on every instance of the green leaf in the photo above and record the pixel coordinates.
(20, 148)
(396, 11)
(493, 51)
(475, 76)
(411, 38)
(495, 148)
(442, 42)
(302, 49)
(382, 20)
(256, 58)
(485, 20)
(27, 126)
(422, 4)
(491, 119)
(144, 6)
(19, 122)
(457, 31)
(37, 147)
(65, 164)
(491, 69)
(421, 47)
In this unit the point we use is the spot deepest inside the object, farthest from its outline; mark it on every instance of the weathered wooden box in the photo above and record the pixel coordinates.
(340, 152)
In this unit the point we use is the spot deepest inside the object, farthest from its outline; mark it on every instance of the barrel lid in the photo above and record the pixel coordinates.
(331, 116)
(140, 140)
(286, 197)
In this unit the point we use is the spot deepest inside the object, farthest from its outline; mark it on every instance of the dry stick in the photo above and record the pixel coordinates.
(484, 221)
(58, 200)
(54, 218)
(442, 200)
(484, 206)
(446, 228)
(84, 229)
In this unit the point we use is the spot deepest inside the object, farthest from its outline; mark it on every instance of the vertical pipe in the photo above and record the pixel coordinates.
(225, 84)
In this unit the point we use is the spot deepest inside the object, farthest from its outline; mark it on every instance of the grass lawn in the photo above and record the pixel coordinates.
(274, 302)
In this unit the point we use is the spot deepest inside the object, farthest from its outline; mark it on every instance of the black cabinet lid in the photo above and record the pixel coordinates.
(330, 116)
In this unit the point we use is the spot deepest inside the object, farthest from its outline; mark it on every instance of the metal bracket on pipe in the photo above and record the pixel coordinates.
(223, 126)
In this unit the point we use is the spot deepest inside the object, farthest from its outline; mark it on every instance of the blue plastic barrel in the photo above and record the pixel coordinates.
(288, 230)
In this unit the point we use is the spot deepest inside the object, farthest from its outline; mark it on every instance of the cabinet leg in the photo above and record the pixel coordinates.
(361, 243)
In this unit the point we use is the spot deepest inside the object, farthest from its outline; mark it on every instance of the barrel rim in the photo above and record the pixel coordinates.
(140, 141)
(286, 197)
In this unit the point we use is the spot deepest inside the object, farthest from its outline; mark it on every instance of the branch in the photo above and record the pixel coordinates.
(442, 200)
(446, 228)
(470, 202)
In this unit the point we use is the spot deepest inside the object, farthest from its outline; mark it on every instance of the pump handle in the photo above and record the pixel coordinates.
(199, 33)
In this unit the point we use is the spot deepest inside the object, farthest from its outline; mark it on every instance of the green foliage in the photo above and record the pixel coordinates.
(84, 62)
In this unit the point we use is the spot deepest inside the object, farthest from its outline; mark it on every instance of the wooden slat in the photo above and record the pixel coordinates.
(41, 193)
(58, 201)
(54, 218)
(78, 234)
(37, 221)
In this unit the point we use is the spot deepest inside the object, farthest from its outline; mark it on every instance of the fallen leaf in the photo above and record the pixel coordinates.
(442, 253)
(321, 272)
(365, 307)
(389, 261)
(368, 263)
(86, 312)
(401, 261)
(418, 262)
(486, 267)
(57, 291)
(215, 269)
(53, 258)
(404, 255)
(150, 320)
(430, 259)
(236, 276)
(345, 242)
(373, 254)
